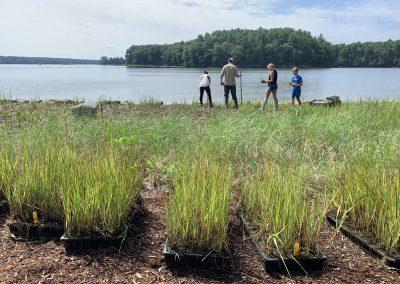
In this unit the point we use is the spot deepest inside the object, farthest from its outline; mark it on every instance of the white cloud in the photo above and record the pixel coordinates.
(92, 28)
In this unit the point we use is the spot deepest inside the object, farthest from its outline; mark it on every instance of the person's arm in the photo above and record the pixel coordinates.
(222, 75)
(237, 75)
(301, 82)
(209, 79)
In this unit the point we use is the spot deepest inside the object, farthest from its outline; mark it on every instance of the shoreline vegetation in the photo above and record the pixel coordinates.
(286, 47)
(283, 46)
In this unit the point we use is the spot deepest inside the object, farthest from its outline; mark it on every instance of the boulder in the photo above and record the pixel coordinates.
(329, 101)
(88, 108)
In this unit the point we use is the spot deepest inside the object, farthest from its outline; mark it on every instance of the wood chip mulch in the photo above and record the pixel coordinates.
(141, 259)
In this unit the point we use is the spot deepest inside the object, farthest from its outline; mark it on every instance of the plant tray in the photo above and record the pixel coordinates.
(277, 264)
(367, 245)
(4, 207)
(76, 244)
(214, 259)
(24, 231)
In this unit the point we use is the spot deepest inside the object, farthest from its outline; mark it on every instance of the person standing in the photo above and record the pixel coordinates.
(272, 86)
(228, 74)
(297, 82)
(204, 85)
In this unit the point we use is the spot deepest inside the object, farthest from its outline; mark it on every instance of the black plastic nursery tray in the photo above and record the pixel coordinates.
(4, 207)
(277, 264)
(367, 245)
(24, 231)
(77, 244)
(214, 259)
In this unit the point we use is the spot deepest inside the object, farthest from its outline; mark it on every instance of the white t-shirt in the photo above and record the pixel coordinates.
(204, 81)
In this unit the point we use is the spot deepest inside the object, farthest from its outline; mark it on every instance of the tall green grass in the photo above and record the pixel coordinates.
(367, 198)
(197, 213)
(100, 191)
(322, 142)
(282, 212)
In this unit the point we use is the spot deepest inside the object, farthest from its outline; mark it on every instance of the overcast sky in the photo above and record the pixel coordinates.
(92, 28)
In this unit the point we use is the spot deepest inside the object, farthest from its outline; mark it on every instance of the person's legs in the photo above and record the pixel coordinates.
(233, 93)
(226, 95)
(201, 95)
(266, 96)
(298, 97)
(275, 98)
(208, 91)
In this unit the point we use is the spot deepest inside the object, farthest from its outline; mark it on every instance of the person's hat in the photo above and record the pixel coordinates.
(230, 59)
(205, 72)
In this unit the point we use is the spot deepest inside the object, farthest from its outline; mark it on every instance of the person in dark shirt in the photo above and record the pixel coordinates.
(272, 86)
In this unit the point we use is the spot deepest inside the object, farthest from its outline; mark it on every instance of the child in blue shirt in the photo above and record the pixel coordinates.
(297, 82)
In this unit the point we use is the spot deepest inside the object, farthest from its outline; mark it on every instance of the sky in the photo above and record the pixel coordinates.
(94, 28)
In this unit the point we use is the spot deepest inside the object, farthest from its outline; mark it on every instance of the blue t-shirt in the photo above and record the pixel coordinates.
(297, 80)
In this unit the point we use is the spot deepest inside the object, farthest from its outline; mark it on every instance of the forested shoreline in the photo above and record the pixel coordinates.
(44, 60)
(256, 48)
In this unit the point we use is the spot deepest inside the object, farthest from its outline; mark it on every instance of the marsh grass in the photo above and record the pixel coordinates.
(312, 148)
(100, 191)
(367, 198)
(197, 213)
(282, 211)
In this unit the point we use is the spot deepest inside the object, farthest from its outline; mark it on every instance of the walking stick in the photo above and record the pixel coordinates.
(241, 92)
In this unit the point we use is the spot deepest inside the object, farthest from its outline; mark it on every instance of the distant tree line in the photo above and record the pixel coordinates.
(43, 60)
(104, 60)
(256, 48)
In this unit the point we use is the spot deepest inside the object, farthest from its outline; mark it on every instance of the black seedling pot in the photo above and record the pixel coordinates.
(277, 264)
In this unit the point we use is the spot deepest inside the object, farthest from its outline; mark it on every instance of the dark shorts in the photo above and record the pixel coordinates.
(296, 93)
(231, 88)
(272, 86)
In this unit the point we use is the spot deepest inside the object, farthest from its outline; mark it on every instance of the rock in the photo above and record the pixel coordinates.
(88, 108)
(335, 100)
(60, 101)
(20, 101)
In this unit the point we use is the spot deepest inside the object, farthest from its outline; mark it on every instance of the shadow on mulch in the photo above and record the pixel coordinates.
(4, 211)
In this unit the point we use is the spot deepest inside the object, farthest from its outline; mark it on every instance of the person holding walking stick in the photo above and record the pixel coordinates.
(228, 74)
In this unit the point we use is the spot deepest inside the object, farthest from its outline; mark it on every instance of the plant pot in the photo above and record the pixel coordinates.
(277, 264)
(25, 231)
(370, 247)
(82, 243)
(214, 259)
(4, 207)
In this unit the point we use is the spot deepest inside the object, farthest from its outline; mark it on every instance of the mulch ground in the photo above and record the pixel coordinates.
(141, 259)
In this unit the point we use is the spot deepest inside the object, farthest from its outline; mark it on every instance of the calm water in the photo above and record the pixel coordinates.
(93, 82)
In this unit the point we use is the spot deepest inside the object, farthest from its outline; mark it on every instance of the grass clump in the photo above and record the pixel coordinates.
(197, 213)
(282, 212)
(99, 191)
(367, 198)
(31, 184)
